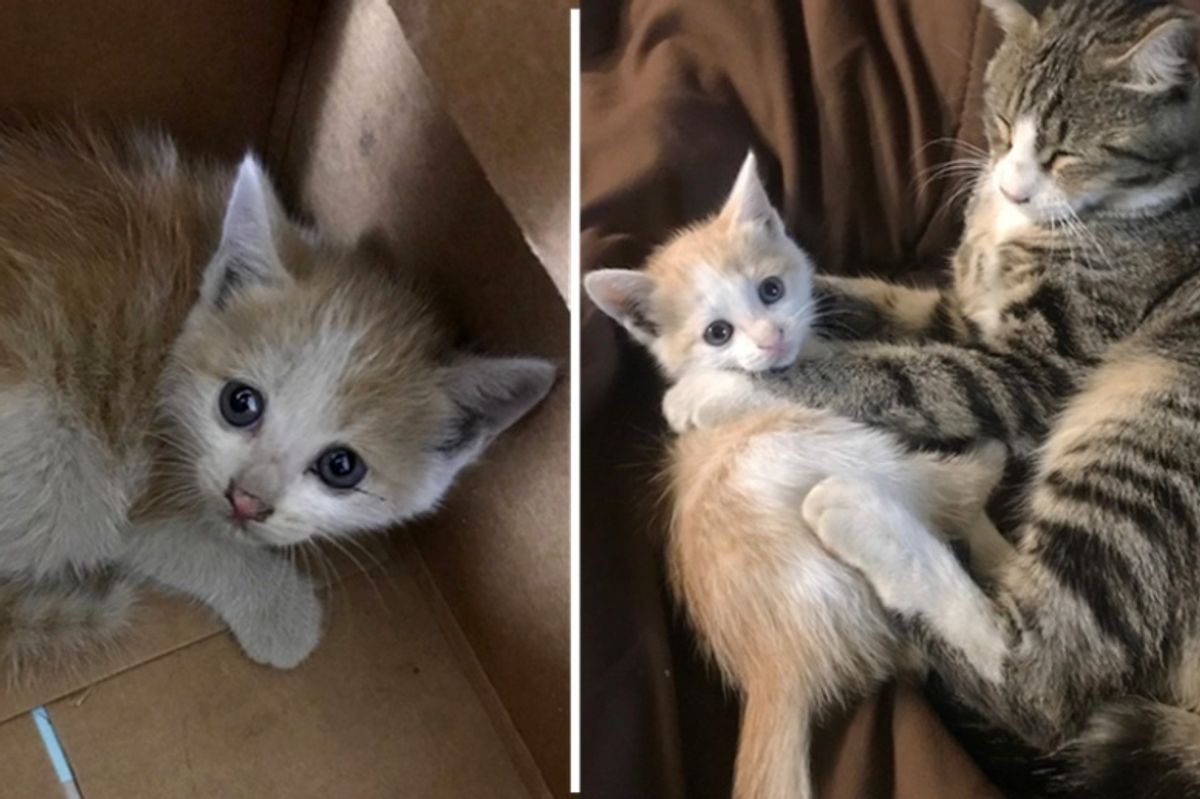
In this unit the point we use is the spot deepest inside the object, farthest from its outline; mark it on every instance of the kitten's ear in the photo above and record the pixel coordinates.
(1164, 58)
(247, 256)
(1012, 16)
(489, 395)
(748, 203)
(625, 295)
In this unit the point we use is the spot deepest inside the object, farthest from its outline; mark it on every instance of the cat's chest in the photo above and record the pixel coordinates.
(991, 272)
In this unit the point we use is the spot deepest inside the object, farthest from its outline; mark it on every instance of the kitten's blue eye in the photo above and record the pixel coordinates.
(718, 333)
(771, 290)
(241, 405)
(340, 467)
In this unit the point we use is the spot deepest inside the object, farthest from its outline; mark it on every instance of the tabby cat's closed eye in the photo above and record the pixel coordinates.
(1058, 159)
(1003, 132)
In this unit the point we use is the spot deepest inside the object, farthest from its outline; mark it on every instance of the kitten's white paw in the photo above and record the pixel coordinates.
(283, 631)
(873, 532)
(679, 408)
(707, 398)
(841, 513)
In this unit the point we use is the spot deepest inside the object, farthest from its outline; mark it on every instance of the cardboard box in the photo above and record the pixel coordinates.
(444, 671)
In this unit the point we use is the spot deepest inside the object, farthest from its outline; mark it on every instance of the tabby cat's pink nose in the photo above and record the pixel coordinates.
(246, 506)
(1016, 197)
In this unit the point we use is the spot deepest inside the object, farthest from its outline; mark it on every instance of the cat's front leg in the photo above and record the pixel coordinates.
(708, 397)
(282, 627)
(933, 393)
(271, 608)
(851, 309)
(913, 572)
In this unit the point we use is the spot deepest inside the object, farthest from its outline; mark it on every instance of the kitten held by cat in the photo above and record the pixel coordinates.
(189, 381)
(1071, 335)
(793, 629)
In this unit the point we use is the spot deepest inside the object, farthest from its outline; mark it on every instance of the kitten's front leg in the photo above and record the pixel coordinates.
(912, 571)
(707, 397)
(271, 608)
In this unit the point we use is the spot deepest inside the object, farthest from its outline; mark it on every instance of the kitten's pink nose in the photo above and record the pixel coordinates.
(769, 338)
(246, 506)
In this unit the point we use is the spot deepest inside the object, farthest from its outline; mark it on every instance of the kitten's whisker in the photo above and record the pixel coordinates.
(329, 575)
(379, 566)
(318, 558)
(366, 573)
(829, 322)
(336, 582)
(304, 560)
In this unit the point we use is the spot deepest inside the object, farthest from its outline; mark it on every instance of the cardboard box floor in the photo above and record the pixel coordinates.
(444, 671)
(383, 709)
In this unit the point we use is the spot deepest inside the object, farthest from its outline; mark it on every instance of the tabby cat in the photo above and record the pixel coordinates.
(1071, 335)
(189, 381)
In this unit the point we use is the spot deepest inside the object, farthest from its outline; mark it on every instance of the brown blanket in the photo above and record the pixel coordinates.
(850, 104)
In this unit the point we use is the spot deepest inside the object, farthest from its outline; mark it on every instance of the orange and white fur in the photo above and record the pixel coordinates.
(191, 382)
(795, 630)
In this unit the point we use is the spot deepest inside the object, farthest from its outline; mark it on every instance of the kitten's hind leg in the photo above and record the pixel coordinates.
(63, 493)
(912, 571)
(271, 608)
(53, 622)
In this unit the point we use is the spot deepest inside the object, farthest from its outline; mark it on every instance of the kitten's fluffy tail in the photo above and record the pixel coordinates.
(51, 623)
(1136, 747)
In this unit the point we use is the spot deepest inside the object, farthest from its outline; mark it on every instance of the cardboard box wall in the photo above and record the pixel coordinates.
(445, 668)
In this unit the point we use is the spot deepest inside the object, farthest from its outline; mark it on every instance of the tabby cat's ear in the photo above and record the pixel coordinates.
(1165, 57)
(488, 396)
(1013, 16)
(626, 296)
(247, 256)
(748, 203)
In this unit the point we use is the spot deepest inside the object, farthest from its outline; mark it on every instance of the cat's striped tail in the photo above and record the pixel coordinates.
(1137, 748)
(53, 623)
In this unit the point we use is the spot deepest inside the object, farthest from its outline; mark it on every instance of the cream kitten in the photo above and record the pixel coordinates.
(795, 630)
(189, 380)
